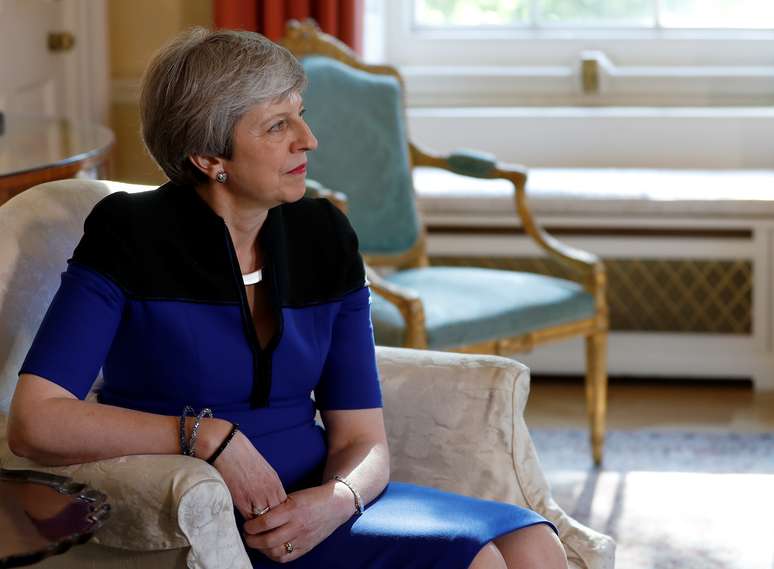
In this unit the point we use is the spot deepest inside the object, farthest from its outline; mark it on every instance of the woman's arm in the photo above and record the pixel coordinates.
(49, 425)
(357, 451)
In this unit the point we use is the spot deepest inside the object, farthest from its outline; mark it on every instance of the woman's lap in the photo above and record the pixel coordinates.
(412, 527)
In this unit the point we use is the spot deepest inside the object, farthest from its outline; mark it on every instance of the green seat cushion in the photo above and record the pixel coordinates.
(467, 305)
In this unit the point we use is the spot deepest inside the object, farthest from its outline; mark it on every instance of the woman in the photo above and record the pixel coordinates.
(225, 289)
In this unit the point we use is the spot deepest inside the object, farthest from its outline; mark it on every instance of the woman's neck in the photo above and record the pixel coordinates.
(243, 222)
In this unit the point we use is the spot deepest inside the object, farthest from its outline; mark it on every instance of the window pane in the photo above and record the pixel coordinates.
(604, 13)
(443, 13)
(717, 13)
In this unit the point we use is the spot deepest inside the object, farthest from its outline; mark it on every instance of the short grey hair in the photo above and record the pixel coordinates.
(199, 85)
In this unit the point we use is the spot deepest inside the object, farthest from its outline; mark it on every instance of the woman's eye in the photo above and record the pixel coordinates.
(277, 127)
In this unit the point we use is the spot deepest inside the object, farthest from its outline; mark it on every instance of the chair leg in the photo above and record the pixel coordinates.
(596, 391)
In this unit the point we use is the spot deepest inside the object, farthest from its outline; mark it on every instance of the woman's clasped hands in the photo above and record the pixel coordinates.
(296, 526)
(293, 524)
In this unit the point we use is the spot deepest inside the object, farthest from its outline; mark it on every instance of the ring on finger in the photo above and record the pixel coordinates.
(258, 513)
(289, 547)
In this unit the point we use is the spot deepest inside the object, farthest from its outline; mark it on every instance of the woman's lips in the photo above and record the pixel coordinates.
(299, 170)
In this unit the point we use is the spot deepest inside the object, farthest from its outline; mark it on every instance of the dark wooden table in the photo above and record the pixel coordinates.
(43, 515)
(34, 150)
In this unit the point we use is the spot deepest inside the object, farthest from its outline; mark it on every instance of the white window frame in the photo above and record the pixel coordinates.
(542, 67)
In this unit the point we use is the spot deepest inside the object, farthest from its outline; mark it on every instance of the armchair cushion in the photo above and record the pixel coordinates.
(43, 225)
(468, 305)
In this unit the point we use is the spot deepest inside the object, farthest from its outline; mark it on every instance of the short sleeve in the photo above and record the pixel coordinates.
(105, 245)
(350, 379)
(77, 331)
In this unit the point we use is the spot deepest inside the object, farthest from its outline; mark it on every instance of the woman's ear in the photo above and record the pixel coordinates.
(210, 166)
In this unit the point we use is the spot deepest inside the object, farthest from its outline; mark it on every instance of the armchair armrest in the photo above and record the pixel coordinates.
(407, 302)
(455, 422)
(482, 165)
(157, 502)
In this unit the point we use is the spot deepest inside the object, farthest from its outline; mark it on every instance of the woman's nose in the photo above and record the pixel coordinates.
(306, 140)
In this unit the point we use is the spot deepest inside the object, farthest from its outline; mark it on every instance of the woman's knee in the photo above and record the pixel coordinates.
(552, 547)
(488, 557)
(535, 546)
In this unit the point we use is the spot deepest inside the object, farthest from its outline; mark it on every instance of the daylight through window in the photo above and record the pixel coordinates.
(552, 14)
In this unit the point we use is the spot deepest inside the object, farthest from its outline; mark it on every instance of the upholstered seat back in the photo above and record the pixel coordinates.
(358, 120)
(39, 229)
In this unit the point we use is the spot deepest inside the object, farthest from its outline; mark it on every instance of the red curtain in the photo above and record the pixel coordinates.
(340, 18)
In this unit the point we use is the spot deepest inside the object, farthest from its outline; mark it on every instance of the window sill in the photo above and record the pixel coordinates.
(451, 199)
(604, 137)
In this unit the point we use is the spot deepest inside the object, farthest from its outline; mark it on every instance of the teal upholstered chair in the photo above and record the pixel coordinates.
(357, 114)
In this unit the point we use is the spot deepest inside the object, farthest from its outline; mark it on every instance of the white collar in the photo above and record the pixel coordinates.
(252, 278)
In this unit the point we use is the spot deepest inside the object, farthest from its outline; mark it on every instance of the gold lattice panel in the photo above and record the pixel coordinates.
(658, 295)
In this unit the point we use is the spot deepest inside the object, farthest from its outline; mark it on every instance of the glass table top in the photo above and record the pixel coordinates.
(43, 515)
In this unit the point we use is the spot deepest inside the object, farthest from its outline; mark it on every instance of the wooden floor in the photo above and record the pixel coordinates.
(655, 405)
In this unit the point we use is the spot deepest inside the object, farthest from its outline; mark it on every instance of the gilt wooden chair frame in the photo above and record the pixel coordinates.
(305, 39)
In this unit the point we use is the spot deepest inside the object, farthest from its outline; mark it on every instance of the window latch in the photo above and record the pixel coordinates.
(593, 65)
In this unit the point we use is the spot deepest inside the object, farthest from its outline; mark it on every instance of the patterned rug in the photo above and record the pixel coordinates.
(672, 500)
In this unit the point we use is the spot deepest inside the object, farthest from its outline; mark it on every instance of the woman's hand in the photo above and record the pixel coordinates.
(253, 483)
(305, 519)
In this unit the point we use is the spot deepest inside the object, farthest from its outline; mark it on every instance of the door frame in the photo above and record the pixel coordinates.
(87, 74)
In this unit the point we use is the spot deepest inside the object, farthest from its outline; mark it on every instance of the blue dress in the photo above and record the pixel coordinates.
(153, 296)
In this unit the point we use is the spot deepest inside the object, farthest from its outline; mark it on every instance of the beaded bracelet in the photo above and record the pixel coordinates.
(355, 493)
(224, 444)
(188, 410)
(206, 412)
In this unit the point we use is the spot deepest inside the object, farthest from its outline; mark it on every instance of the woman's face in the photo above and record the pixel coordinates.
(268, 165)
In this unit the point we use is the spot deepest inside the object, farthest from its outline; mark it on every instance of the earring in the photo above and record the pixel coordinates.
(221, 177)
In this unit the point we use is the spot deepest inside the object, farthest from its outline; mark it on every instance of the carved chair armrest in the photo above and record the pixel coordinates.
(481, 165)
(407, 302)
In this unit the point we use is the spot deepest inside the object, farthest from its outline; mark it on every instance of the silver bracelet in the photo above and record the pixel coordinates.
(195, 431)
(355, 493)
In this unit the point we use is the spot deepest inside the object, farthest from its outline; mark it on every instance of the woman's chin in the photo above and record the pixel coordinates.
(297, 191)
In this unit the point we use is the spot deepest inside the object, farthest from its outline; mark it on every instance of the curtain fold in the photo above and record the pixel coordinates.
(340, 18)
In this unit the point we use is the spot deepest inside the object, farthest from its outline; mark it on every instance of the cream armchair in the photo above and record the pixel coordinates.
(175, 511)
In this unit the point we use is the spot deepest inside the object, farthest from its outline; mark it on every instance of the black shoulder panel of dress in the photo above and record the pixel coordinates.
(168, 244)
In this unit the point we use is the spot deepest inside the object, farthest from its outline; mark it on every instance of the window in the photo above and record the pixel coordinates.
(638, 14)
(582, 52)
